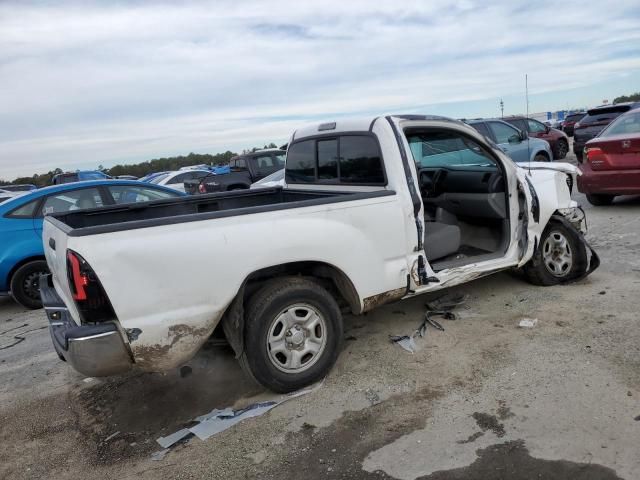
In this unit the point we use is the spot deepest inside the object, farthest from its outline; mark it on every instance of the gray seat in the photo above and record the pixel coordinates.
(440, 240)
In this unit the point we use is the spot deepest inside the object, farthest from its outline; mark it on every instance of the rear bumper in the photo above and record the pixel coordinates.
(93, 350)
(615, 182)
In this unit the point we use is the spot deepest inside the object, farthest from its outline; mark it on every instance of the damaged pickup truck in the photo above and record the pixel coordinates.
(372, 211)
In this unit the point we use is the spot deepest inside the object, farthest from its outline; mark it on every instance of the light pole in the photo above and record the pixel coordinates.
(501, 109)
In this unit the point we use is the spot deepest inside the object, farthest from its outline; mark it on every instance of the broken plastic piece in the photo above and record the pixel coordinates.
(159, 455)
(528, 322)
(405, 341)
(217, 424)
(170, 440)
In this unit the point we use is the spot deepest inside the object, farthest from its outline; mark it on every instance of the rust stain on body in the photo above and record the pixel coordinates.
(376, 300)
(183, 342)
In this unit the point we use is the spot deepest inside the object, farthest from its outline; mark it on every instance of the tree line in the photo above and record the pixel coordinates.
(141, 169)
(634, 97)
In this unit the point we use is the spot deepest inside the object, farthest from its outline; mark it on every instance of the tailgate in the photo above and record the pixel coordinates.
(54, 241)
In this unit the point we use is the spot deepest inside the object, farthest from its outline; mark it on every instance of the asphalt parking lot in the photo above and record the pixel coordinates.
(484, 399)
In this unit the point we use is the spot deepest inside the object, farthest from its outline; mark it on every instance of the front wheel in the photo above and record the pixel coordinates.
(599, 200)
(25, 284)
(293, 334)
(541, 157)
(560, 257)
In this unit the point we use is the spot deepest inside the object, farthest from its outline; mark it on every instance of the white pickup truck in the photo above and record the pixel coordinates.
(372, 211)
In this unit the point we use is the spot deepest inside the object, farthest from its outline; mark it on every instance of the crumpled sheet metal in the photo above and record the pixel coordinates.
(219, 420)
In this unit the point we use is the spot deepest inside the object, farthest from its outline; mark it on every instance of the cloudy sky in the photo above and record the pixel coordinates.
(83, 84)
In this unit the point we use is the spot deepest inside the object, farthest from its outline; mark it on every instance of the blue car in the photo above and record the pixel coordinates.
(515, 143)
(21, 252)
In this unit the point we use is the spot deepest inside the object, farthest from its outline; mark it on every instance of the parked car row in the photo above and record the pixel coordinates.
(244, 170)
(595, 120)
(612, 165)
(515, 140)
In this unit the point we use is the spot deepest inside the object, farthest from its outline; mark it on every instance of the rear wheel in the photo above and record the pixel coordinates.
(293, 334)
(541, 157)
(560, 256)
(599, 199)
(25, 283)
(562, 147)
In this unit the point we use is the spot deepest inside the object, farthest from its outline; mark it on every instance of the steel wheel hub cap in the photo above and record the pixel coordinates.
(557, 255)
(296, 338)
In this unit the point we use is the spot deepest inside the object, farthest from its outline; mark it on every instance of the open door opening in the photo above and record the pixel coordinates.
(465, 198)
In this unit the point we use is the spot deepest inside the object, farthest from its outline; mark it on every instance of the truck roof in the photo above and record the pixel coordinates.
(362, 124)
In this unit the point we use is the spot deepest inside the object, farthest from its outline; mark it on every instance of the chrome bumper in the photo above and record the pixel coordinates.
(93, 350)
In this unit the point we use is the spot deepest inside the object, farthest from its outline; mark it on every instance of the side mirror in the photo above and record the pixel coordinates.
(426, 181)
(547, 128)
(516, 138)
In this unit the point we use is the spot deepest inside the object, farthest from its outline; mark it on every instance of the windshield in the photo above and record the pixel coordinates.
(627, 124)
(447, 149)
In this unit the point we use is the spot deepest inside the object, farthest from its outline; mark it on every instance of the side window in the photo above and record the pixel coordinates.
(327, 159)
(482, 129)
(360, 160)
(349, 159)
(180, 178)
(278, 160)
(301, 162)
(72, 200)
(447, 149)
(241, 163)
(502, 131)
(133, 194)
(25, 211)
(536, 127)
(264, 163)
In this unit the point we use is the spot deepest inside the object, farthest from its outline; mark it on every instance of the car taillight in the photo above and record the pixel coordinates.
(86, 290)
(594, 154)
(202, 188)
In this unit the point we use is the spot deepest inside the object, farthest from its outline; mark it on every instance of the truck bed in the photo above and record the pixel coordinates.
(195, 208)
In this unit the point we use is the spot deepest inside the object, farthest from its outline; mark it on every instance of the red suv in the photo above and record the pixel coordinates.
(613, 161)
(557, 139)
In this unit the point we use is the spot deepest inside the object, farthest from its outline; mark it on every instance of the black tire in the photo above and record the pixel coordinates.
(25, 284)
(538, 273)
(541, 157)
(262, 312)
(561, 150)
(600, 200)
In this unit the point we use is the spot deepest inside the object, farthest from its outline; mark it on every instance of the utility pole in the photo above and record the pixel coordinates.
(501, 108)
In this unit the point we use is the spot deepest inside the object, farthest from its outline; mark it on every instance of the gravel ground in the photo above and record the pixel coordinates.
(482, 400)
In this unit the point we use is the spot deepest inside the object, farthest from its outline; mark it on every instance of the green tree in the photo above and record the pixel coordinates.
(634, 97)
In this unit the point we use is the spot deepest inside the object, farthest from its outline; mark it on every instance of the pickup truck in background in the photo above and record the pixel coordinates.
(372, 211)
(245, 169)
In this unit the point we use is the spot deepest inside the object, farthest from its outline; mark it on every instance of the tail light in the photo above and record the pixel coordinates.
(594, 154)
(86, 290)
(202, 188)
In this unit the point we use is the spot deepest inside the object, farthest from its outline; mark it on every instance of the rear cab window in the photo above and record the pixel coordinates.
(348, 159)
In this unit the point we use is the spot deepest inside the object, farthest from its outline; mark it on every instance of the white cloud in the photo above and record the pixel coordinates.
(105, 82)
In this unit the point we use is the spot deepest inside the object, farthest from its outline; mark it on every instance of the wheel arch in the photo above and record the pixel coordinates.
(21, 263)
(329, 276)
